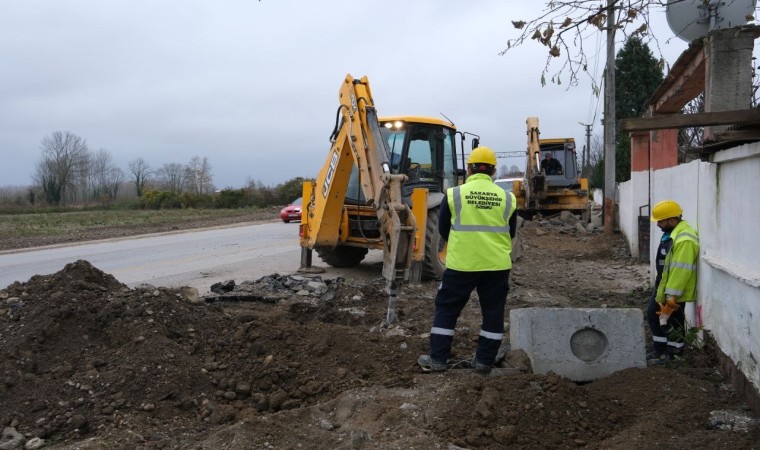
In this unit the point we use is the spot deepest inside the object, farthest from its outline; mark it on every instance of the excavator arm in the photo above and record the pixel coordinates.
(357, 141)
(535, 188)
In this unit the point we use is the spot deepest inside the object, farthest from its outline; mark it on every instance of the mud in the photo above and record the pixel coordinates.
(87, 363)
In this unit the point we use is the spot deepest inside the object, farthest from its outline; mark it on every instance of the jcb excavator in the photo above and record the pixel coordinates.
(542, 193)
(381, 188)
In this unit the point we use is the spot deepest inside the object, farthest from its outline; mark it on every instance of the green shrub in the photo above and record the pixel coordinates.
(231, 198)
(155, 199)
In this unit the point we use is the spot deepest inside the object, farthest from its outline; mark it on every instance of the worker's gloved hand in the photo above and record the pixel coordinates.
(666, 309)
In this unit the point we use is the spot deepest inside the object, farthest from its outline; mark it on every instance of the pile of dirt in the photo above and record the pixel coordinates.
(86, 362)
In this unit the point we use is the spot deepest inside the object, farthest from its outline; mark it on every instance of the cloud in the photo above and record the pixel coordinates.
(253, 85)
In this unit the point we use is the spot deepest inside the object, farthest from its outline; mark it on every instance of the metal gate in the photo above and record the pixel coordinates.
(644, 227)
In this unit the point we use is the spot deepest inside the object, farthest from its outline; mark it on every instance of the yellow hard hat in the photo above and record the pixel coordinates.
(482, 155)
(665, 210)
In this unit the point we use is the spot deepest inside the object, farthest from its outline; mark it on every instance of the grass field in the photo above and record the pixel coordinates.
(63, 223)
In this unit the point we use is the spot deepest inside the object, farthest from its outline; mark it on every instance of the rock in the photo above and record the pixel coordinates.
(79, 422)
(190, 294)
(34, 444)
(517, 248)
(11, 439)
(277, 399)
(290, 404)
(540, 232)
(260, 401)
(482, 409)
(505, 435)
(732, 421)
(359, 438)
(326, 425)
(222, 287)
(222, 414)
(567, 217)
(317, 287)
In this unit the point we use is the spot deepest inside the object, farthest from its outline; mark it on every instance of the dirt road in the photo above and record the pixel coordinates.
(306, 363)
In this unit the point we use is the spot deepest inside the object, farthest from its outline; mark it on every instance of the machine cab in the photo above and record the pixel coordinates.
(563, 152)
(422, 148)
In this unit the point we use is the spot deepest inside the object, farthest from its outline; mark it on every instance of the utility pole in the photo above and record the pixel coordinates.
(586, 157)
(609, 123)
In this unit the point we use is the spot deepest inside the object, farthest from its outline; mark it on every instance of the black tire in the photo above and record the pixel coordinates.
(434, 262)
(285, 221)
(342, 256)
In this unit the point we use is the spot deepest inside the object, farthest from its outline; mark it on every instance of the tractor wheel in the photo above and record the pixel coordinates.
(435, 248)
(342, 256)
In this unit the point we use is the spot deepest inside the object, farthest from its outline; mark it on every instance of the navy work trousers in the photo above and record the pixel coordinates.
(668, 337)
(453, 295)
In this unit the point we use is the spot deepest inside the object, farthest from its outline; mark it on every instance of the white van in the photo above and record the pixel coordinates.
(506, 183)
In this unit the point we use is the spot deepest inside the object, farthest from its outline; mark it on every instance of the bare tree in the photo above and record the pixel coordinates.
(596, 162)
(171, 176)
(105, 177)
(514, 171)
(100, 162)
(140, 171)
(563, 25)
(63, 154)
(690, 139)
(198, 175)
(81, 180)
(113, 179)
(15, 195)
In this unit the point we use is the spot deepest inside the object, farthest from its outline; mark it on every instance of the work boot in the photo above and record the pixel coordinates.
(665, 358)
(654, 354)
(482, 369)
(428, 364)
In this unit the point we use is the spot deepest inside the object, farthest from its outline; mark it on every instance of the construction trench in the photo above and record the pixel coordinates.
(296, 361)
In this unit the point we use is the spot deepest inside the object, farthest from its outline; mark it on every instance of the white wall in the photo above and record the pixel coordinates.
(632, 195)
(597, 195)
(720, 199)
(729, 269)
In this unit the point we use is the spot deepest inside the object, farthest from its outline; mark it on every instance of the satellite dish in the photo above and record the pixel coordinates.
(693, 19)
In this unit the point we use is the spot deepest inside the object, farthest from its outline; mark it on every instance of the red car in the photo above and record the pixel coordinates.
(292, 211)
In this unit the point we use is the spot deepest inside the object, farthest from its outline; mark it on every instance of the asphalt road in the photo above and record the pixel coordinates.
(193, 258)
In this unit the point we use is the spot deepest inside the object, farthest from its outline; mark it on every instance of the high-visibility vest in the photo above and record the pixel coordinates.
(679, 276)
(479, 238)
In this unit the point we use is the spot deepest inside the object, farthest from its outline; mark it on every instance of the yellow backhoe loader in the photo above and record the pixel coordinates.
(380, 188)
(549, 188)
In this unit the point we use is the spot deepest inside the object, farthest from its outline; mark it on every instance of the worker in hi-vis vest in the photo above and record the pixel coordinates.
(675, 284)
(478, 221)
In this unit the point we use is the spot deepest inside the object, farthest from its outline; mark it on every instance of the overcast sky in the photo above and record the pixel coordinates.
(253, 85)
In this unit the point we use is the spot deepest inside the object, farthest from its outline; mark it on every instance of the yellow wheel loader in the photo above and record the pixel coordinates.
(380, 188)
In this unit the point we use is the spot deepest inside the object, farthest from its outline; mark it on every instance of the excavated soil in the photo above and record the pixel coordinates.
(88, 363)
